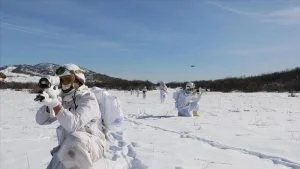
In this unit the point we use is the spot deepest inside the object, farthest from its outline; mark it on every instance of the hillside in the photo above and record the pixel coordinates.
(43, 69)
(288, 80)
(18, 75)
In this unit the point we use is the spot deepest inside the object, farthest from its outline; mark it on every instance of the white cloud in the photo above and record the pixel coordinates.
(267, 50)
(64, 40)
(289, 16)
(233, 10)
(19, 28)
(282, 16)
(29, 30)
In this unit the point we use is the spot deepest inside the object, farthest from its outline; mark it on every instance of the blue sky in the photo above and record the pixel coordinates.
(154, 39)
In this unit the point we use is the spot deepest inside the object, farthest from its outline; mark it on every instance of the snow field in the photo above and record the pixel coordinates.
(234, 131)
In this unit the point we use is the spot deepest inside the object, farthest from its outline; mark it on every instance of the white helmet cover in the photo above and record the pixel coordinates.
(73, 69)
(190, 85)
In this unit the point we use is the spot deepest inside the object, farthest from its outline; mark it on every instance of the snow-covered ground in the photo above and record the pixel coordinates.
(234, 131)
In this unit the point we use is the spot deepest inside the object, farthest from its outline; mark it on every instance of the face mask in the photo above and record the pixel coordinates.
(65, 87)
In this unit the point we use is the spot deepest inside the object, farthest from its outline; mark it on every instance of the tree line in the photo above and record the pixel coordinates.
(288, 80)
(123, 84)
(114, 84)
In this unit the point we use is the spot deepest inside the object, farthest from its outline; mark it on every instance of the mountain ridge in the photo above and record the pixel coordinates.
(24, 73)
(44, 69)
(287, 80)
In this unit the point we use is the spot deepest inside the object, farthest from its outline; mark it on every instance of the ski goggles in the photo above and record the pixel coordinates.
(189, 89)
(63, 71)
(68, 79)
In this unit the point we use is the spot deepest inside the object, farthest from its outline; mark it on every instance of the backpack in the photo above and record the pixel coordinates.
(110, 107)
(176, 93)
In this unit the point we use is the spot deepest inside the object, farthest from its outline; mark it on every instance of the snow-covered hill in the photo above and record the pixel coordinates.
(32, 73)
(37, 70)
(18, 77)
(28, 73)
(234, 131)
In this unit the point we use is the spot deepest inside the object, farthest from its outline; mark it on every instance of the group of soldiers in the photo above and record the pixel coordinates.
(186, 100)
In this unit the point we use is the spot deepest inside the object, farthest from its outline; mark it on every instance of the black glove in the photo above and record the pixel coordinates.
(39, 97)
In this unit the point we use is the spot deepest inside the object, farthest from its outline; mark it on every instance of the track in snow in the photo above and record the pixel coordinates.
(274, 159)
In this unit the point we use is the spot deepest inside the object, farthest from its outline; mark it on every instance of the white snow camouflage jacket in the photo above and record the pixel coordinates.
(163, 90)
(80, 118)
(183, 99)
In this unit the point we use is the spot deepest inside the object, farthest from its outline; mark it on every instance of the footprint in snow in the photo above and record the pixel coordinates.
(117, 136)
(135, 144)
(131, 151)
(116, 156)
(137, 164)
(114, 148)
(122, 143)
(177, 167)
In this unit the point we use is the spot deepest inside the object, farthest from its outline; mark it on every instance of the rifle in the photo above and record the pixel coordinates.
(48, 89)
(45, 85)
(197, 91)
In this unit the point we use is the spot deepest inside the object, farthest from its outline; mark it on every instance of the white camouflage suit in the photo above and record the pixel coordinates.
(80, 139)
(186, 103)
(163, 91)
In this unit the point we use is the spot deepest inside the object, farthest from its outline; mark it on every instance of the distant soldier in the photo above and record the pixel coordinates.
(163, 91)
(131, 92)
(187, 100)
(144, 92)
